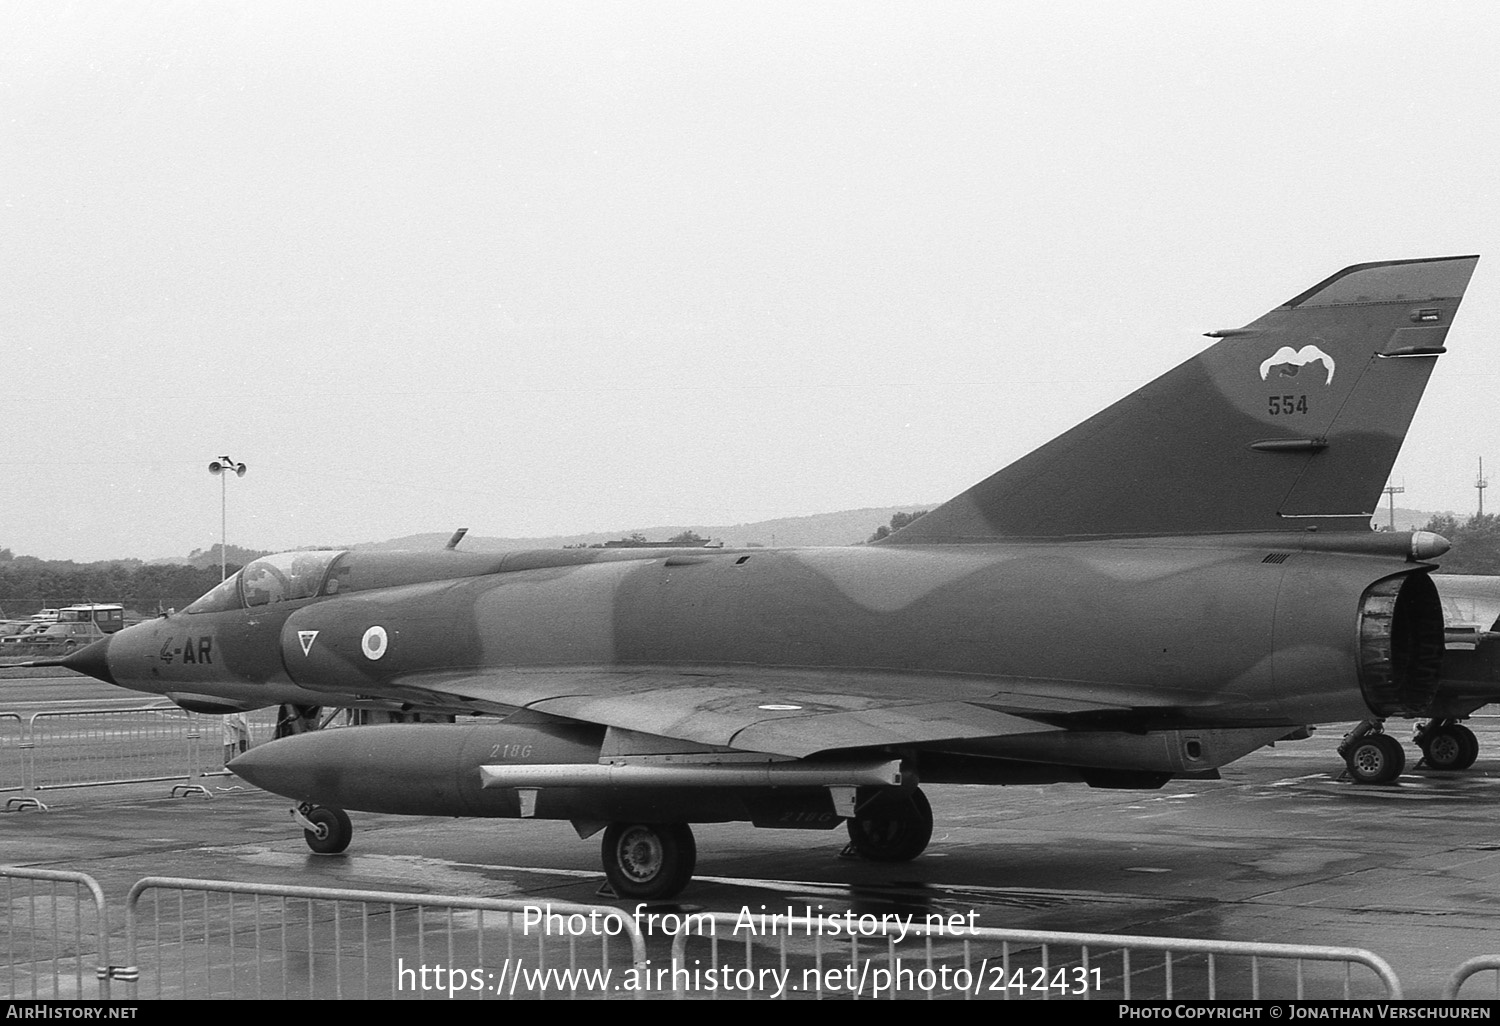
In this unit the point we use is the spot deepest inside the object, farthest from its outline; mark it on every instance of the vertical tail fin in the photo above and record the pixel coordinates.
(1292, 421)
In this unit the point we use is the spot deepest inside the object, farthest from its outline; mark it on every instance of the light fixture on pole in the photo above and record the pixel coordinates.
(222, 468)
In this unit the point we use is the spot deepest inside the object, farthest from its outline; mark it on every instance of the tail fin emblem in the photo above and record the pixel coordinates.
(1292, 360)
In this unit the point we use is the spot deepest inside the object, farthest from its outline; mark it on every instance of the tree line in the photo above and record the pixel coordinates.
(1476, 543)
(898, 521)
(28, 584)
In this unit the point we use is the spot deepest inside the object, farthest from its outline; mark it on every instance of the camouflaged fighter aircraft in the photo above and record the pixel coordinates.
(1178, 581)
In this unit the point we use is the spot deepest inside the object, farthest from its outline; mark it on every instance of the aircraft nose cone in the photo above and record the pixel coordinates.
(93, 659)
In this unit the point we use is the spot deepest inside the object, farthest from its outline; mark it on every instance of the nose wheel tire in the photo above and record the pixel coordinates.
(649, 860)
(892, 828)
(1376, 759)
(332, 830)
(1451, 746)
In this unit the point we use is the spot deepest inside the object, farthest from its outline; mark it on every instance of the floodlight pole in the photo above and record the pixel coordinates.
(223, 467)
(1393, 491)
(223, 529)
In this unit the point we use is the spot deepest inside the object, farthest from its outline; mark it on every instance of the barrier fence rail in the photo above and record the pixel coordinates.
(83, 747)
(834, 957)
(188, 938)
(57, 936)
(12, 755)
(1469, 969)
(89, 747)
(215, 939)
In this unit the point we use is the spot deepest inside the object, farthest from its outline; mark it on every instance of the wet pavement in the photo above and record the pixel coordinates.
(1279, 850)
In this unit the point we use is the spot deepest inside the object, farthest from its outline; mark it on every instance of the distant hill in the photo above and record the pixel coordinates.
(209, 557)
(843, 528)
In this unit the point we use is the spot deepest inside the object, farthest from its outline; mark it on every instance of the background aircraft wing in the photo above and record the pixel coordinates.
(794, 713)
(1469, 600)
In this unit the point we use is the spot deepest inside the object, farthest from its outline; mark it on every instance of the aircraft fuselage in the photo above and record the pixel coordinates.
(1255, 631)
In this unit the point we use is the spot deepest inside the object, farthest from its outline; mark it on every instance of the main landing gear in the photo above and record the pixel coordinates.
(891, 828)
(655, 861)
(1447, 745)
(1372, 755)
(650, 861)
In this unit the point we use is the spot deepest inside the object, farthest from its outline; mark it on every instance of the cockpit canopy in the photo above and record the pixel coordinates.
(280, 578)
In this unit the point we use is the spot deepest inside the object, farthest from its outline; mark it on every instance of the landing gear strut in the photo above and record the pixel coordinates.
(651, 861)
(892, 827)
(1447, 745)
(1373, 756)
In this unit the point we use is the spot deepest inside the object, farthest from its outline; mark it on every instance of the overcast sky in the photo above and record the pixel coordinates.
(540, 268)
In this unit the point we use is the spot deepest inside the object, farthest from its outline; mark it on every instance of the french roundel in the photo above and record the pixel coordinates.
(374, 643)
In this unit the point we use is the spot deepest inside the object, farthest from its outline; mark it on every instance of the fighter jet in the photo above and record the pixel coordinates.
(1210, 534)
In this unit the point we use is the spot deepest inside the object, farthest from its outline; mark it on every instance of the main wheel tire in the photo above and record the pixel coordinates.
(1471, 746)
(894, 828)
(1376, 759)
(1451, 746)
(333, 833)
(652, 861)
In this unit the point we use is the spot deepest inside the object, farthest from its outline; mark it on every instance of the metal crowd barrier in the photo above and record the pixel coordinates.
(13, 758)
(84, 747)
(218, 939)
(89, 747)
(861, 957)
(1471, 968)
(208, 753)
(57, 936)
(212, 939)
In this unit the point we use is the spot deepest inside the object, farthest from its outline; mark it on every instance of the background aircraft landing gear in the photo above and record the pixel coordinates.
(1375, 758)
(892, 827)
(326, 829)
(1447, 745)
(651, 861)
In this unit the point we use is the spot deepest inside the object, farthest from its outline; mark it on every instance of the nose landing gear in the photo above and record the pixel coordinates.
(326, 829)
